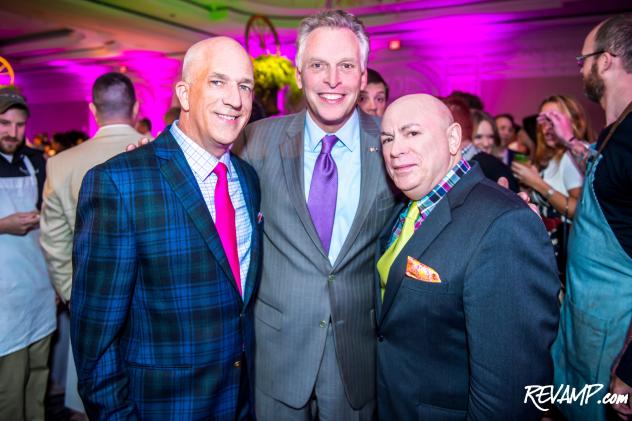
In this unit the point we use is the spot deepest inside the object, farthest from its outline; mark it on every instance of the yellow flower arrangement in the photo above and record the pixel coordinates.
(273, 72)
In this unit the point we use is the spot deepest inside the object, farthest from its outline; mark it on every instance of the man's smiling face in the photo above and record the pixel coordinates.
(331, 76)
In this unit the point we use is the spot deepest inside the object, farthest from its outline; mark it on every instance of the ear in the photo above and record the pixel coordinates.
(605, 62)
(135, 109)
(453, 133)
(93, 111)
(182, 92)
(363, 82)
(299, 81)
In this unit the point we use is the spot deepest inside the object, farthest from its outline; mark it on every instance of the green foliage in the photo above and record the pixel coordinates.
(273, 72)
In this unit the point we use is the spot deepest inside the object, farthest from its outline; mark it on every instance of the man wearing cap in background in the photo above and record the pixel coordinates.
(27, 299)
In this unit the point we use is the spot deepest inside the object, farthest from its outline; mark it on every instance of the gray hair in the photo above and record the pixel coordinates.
(332, 19)
(614, 36)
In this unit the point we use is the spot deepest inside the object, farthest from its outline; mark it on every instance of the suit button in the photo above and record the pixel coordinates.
(323, 323)
(237, 364)
(331, 278)
(380, 338)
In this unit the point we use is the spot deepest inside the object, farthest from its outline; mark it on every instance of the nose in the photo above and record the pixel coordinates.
(398, 148)
(232, 96)
(13, 130)
(333, 77)
(371, 105)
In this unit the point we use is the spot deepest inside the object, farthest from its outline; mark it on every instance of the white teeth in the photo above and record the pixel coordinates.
(332, 97)
(227, 117)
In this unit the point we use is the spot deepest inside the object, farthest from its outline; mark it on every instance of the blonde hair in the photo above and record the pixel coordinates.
(581, 129)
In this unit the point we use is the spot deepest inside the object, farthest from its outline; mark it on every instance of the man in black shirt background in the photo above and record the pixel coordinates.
(595, 329)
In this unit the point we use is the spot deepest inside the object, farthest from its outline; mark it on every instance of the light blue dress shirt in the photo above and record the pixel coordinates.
(346, 155)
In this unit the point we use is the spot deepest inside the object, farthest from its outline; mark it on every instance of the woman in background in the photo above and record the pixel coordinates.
(484, 138)
(554, 180)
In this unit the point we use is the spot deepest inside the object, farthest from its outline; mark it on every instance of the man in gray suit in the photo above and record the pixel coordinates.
(325, 198)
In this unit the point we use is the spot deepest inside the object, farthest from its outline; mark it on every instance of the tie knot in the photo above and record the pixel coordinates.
(328, 143)
(220, 171)
(413, 211)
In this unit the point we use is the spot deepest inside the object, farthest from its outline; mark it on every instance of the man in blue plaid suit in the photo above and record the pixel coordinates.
(162, 321)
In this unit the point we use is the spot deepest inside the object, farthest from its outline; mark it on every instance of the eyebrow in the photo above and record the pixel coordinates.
(222, 76)
(409, 126)
(342, 60)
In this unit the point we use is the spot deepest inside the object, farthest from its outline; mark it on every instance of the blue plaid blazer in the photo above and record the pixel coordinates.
(157, 322)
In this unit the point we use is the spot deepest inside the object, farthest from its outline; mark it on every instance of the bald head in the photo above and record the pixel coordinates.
(199, 54)
(424, 103)
(420, 143)
(215, 93)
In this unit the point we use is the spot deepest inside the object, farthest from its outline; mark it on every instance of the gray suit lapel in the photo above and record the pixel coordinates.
(371, 166)
(292, 160)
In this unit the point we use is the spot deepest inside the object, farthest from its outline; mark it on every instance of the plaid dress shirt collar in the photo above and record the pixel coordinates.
(427, 203)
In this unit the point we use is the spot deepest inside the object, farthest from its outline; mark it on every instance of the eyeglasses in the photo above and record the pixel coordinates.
(581, 59)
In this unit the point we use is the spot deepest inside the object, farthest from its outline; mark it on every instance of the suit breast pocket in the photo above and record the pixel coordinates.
(422, 287)
(268, 315)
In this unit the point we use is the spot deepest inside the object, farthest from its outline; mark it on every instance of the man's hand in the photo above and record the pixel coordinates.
(618, 386)
(502, 181)
(19, 223)
(144, 141)
(527, 174)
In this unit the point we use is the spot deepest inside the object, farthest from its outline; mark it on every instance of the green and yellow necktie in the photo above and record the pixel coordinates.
(389, 256)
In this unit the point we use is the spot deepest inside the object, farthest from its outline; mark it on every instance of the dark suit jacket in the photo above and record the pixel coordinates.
(157, 323)
(465, 348)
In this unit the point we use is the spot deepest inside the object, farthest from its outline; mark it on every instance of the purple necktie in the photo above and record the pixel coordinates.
(323, 192)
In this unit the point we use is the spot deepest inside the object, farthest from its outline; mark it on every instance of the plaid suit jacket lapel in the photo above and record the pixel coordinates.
(178, 175)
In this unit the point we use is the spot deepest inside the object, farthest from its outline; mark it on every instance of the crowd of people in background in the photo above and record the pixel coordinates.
(551, 158)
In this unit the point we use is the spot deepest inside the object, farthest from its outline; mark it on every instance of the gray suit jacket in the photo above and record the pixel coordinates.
(300, 290)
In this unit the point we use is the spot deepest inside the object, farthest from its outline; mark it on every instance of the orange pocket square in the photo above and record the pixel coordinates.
(417, 270)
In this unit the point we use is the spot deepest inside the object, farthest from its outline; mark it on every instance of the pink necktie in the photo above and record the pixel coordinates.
(225, 222)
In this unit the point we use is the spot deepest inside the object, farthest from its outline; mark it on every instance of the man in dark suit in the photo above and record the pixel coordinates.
(467, 287)
(166, 255)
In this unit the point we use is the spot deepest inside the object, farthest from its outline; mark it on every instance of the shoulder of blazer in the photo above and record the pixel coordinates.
(483, 196)
(143, 158)
(370, 125)
(267, 134)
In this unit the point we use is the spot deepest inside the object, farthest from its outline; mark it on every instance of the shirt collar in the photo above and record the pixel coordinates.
(201, 161)
(444, 186)
(348, 134)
